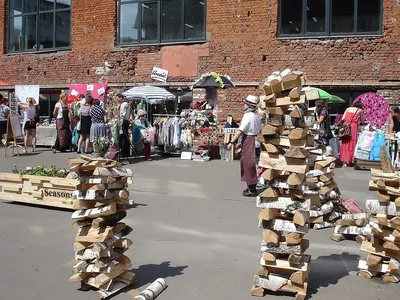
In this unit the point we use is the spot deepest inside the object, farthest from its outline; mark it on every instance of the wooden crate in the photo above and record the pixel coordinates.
(41, 190)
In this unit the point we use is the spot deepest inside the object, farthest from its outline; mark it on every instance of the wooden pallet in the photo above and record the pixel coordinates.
(300, 293)
(38, 190)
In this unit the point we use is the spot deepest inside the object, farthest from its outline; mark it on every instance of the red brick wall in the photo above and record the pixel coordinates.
(238, 49)
(241, 33)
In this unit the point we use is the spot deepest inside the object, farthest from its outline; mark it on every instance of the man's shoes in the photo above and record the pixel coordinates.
(248, 193)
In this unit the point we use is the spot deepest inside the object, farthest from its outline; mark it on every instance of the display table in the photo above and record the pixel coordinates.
(45, 135)
(362, 160)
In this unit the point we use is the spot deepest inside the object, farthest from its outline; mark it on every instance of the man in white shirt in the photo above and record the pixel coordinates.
(125, 114)
(249, 128)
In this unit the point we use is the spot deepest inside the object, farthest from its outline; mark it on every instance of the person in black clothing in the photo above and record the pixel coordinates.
(395, 120)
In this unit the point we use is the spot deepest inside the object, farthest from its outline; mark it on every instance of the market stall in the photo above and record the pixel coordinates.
(371, 137)
(200, 123)
(151, 99)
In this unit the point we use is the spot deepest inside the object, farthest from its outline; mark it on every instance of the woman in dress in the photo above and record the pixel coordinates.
(98, 128)
(61, 114)
(86, 123)
(29, 123)
(353, 115)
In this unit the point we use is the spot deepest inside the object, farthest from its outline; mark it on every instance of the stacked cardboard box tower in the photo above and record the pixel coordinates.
(298, 174)
(285, 215)
(320, 180)
(101, 198)
(383, 250)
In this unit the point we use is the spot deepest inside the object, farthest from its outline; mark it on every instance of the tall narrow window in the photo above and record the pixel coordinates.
(291, 16)
(172, 19)
(342, 16)
(368, 16)
(316, 16)
(161, 21)
(194, 19)
(36, 25)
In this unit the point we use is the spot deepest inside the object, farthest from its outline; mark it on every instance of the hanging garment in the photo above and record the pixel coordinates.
(379, 141)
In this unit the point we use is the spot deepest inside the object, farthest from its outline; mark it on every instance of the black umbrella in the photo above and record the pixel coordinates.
(209, 81)
(188, 97)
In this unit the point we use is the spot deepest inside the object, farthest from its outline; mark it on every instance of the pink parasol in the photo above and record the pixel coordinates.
(376, 108)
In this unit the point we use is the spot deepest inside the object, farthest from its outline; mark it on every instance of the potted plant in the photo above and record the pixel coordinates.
(101, 145)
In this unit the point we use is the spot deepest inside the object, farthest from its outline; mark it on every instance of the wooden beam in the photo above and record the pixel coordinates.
(269, 213)
(270, 148)
(93, 235)
(270, 193)
(285, 142)
(270, 174)
(280, 162)
(283, 225)
(271, 130)
(284, 101)
(271, 237)
(298, 133)
(297, 152)
(278, 110)
(386, 164)
(275, 120)
(295, 92)
(93, 213)
(301, 218)
(287, 204)
(295, 179)
(109, 220)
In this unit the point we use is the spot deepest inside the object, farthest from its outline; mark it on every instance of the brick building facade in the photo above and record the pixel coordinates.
(242, 40)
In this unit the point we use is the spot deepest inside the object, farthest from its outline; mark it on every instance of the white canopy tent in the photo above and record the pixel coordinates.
(149, 93)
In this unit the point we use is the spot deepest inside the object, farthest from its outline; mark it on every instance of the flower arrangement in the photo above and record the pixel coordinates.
(218, 79)
(41, 171)
(376, 108)
(101, 144)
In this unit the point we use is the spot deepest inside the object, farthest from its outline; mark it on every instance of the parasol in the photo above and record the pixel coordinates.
(376, 108)
(148, 93)
(213, 80)
(324, 95)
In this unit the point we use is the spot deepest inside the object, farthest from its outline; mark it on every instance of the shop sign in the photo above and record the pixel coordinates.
(159, 74)
(57, 193)
(230, 130)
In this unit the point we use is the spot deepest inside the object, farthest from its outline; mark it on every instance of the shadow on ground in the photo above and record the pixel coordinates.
(146, 274)
(328, 270)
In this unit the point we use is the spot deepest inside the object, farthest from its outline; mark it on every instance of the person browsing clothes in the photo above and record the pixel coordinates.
(142, 124)
(249, 128)
(394, 121)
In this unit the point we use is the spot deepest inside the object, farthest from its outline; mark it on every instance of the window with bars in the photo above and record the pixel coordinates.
(37, 25)
(310, 18)
(161, 21)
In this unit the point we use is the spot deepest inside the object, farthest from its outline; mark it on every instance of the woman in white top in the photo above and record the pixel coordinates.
(61, 114)
(29, 124)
